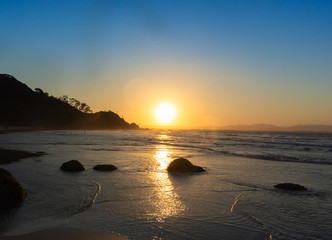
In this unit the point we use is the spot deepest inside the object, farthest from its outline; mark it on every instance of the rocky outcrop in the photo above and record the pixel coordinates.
(72, 166)
(11, 191)
(183, 165)
(10, 156)
(105, 167)
(290, 187)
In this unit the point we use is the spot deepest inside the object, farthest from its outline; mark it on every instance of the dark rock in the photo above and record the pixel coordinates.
(9, 156)
(183, 165)
(11, 191)
(105, 167)
(72, 166)
(290, 187)
(40, 153)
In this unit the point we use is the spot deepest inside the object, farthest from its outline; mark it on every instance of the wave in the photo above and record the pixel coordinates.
(277, 158)
(257, 142)
(96, 195)
(86, 205)
(236, 199)
(258, 156)
(271, 147)
(268, 157)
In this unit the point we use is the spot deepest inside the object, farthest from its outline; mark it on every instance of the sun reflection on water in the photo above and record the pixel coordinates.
(162, 157)
(165, 200)
(163, 137)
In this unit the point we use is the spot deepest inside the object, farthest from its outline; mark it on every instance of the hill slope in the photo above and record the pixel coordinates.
(21, 106)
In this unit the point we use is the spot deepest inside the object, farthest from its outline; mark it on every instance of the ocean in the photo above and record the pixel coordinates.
(233, 199)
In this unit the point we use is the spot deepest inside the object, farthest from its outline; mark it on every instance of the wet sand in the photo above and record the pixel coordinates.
(66, 234)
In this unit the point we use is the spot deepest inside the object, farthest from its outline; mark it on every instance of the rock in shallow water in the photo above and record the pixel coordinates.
(290, 187)
(105, 167)
(11, 191)
(72, 166)
(183, 165)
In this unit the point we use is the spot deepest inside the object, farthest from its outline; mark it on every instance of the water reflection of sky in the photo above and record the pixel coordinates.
(165, 200)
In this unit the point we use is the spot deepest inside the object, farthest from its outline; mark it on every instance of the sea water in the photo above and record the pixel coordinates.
(233, 199)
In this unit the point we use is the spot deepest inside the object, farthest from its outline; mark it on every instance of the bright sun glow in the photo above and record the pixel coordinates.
(165, 113)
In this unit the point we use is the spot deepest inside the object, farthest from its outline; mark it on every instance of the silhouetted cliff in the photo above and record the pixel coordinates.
(21, 106)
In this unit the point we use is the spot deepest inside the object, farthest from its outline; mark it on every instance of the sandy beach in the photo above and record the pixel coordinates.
(66, 234)
(234, 199)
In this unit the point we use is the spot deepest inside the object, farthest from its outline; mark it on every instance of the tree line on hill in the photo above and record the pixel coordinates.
(82, 106)
(21, 106)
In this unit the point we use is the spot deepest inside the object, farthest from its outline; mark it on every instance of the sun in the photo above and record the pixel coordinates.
(165, 113)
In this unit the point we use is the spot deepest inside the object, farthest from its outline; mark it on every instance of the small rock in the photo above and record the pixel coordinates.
(41, 152)
(290, 187)
(105, 167)
(183, 165)
(72, 166)
(11, 191)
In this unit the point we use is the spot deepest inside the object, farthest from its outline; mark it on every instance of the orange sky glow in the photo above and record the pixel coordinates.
(218, 63)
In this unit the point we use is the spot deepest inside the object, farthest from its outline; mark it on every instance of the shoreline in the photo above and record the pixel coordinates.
(8, 156)
(12, 129)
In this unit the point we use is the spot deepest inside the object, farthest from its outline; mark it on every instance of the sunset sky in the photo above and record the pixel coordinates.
(217, 62)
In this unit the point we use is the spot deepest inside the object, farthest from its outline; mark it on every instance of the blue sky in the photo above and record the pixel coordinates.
(232, 55)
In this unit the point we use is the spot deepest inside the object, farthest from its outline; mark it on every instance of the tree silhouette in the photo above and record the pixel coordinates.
(39, 90)
(64, 98)
(82, 106)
